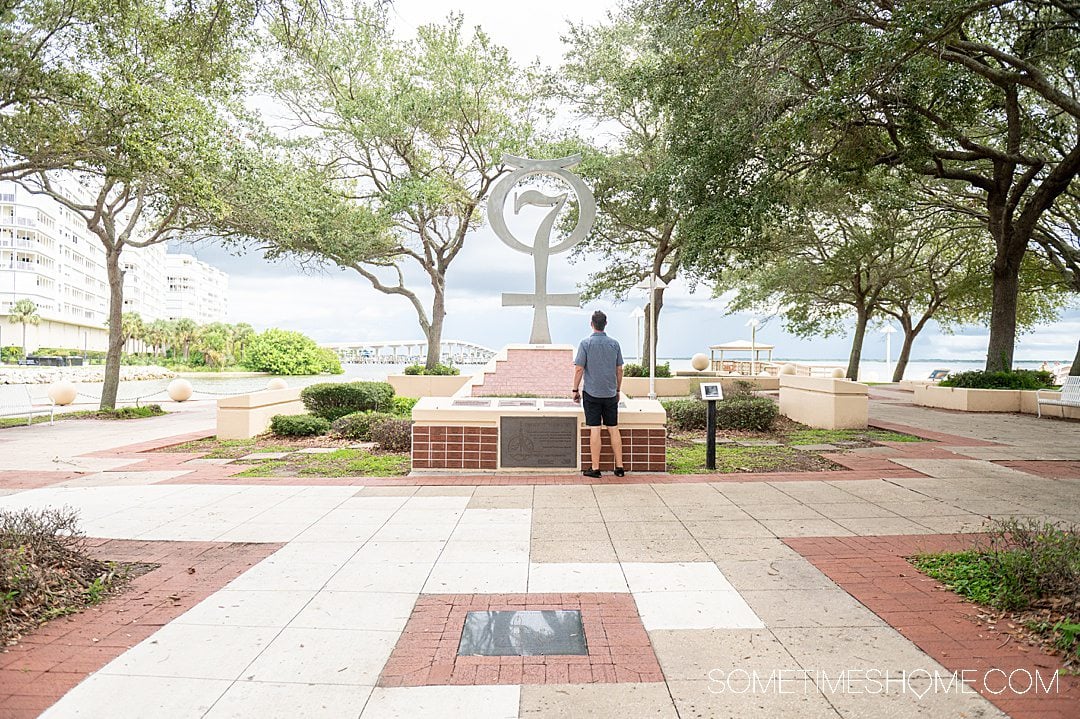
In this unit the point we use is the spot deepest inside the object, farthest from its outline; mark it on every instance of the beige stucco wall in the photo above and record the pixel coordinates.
(406, 385)
(248, 415)
(824, 403)
(686, 385)
(968, 400)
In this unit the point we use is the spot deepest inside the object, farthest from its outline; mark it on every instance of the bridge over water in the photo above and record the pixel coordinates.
(409, 351)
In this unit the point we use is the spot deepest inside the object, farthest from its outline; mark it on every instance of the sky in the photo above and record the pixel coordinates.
(338, 305)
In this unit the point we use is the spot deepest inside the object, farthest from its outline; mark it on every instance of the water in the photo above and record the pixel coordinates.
(146, 391)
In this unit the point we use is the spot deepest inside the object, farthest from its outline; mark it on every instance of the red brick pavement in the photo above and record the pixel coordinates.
(942, 624)
(1049, 469)
(52, 659)
(618, 645)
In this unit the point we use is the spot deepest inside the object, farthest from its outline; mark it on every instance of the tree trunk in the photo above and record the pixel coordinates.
(646, 349)
(24, 340)
(999, 352)
(905, 354)
(1075, 370)
(434, 330)
(116, 333)
(856, 346)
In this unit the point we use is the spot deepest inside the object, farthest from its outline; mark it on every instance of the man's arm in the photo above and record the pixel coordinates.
(618, 380)
(579, 372)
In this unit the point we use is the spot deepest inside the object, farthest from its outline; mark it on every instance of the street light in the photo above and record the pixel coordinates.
(753, 323)
(652, 284)
(888, 331)
(639, 315)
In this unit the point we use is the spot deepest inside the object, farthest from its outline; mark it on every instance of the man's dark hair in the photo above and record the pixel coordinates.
(599, 320)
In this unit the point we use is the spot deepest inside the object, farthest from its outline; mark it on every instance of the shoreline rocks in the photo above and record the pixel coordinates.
(88, 373)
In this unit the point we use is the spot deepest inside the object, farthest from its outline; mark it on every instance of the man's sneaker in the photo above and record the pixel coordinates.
(620, 472)
(594, 473)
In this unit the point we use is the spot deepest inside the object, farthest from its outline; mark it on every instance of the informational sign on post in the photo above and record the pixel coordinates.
(711, 392)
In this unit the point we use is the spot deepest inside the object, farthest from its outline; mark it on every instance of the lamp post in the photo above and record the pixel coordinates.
(639, 315)
(753, 325)
(888, 331)
(652, 284)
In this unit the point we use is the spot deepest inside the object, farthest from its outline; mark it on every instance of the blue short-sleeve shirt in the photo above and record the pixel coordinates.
(600, 355)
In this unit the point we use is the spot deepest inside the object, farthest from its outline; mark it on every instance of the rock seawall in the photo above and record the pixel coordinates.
(90, 373)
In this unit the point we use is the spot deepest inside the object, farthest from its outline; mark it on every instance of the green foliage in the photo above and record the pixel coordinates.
(1014, 379)
(1023, 562)
(298, 425)
(340, 463)
(403, 406)
(825, 436)
(393, 435)
(642, 370)
(150, 410)
(439, 369)
(358, 424)
(11, 354)
(332, 400)
(286, 352)
(750, 413)
(685, 414)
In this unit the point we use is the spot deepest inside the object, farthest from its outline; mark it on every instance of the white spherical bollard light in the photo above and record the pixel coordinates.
(787, 368)
(699, 361)
(180, 390)
(62, 392)
(277, 383)
(839, 373)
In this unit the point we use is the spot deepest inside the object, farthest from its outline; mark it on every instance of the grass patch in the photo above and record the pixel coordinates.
(150, 410)
(215, 448)
(1027, 570)
(829, 436)
(341, 463)
(46, 571)
(690, 459)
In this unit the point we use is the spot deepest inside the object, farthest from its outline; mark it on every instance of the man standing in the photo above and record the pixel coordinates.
(599, 361)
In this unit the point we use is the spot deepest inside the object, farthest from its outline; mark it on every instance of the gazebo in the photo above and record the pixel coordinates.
(718, 362)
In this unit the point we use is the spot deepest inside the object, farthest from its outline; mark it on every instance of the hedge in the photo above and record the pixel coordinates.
(753, 413)
(685, 414)
(439, 369)
(1014, 379)
(298, 425)
(332, 400)
(642, 370)
(393, 435)
(358, 424)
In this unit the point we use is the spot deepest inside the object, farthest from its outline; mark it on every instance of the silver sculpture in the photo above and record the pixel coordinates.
(541, 248)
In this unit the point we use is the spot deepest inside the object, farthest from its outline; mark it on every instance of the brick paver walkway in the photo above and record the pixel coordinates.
(707, 562)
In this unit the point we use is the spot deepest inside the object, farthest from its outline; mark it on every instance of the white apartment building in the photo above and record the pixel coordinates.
(195, 289)
(49, 257)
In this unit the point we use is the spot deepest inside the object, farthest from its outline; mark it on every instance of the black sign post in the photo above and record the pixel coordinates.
(711, 392)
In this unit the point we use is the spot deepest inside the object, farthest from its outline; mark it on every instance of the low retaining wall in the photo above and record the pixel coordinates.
(824, 403)
(962, 399)
(247, 415)
(684, 385)
(411, 385)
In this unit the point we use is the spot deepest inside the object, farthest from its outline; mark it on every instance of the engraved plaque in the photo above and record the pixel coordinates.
(538, 442)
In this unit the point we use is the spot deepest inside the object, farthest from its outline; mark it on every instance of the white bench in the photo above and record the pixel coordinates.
(1070, 395)
(21, 404)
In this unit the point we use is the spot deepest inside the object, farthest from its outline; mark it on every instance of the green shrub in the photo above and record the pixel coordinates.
(298, 425)
(11, 354)
(642, 370)
(403, 406)
(358, 424)
(1014, 379)
(288, 353)
(392, 435)
(150, 410)
(686, 414)
(439, 369)
(740, 388)
(750, 413)
(331, 400)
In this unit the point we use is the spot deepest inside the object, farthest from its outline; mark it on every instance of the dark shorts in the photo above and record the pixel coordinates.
(597, 408)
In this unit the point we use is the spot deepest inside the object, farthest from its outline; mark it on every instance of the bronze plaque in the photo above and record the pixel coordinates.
(538, 442)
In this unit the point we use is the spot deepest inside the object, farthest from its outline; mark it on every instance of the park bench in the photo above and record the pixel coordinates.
(1070, 395)
(21, 404)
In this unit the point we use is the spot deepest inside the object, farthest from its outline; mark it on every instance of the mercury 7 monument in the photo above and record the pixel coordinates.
(515, 415)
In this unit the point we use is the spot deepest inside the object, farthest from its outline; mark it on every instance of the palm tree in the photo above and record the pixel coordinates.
(185, 332)
(24, 312)
(242, 333)
(131, 326)
(157, 335)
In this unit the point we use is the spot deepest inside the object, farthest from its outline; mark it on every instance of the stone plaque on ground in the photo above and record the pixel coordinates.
(538, 442)
(523, 633)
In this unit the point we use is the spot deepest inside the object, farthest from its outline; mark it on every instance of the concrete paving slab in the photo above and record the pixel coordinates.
(782, 608)
(597, 701)
(571, 551)
(716, 699)
(255, 456)
(691, 655)
(490, 702)
(288, 700)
